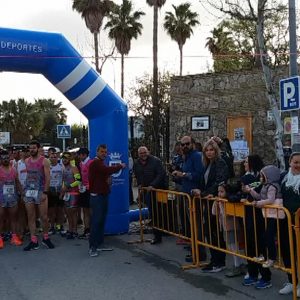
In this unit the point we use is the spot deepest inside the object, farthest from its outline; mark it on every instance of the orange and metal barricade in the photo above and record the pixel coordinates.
(199, 222)
(208, 221)
(169, 212)
(297, 234)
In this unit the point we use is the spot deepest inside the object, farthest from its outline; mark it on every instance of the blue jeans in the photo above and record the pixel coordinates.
(99, 208)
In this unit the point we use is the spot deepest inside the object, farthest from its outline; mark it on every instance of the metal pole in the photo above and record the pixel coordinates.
(293, 64)
(64, 145)
(131, 132)
(293, 38)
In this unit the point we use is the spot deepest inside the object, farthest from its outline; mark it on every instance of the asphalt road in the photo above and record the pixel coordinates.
(138, 271)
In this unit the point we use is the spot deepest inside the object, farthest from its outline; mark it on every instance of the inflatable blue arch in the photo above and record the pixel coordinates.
(51, 55)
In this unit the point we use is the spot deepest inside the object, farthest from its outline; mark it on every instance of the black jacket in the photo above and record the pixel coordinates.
(218, 173)
(150, 174)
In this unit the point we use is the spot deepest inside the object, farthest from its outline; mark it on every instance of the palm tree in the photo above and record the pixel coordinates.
(123, 25)
(52, 114)
(48, 106)
(93, 13)
(223, 49)
(156, 5)
(179, 25)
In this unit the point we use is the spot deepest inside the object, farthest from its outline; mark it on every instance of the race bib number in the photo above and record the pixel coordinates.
(55, 183)
(8, 189)
(66, 197)
(32, 194)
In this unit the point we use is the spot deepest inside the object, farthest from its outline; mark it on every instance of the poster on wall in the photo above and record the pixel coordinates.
(296, 138)
(4, 138)
(240, 154)
(240, 149)
(200, 123)
(239, 133)
(287, 125)
(294, 125)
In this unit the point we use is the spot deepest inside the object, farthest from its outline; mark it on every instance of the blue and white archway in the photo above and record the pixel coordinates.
(51, 55)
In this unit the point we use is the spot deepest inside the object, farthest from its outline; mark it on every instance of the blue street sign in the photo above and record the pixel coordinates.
(289, 93)
(63, 131)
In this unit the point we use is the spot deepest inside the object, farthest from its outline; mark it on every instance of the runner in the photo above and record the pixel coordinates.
(35, 194)
(55, 202)
(70, 193)
(22, 174)
(84, 196)
(9, 188)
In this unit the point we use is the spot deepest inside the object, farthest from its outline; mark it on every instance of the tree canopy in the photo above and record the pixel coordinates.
(142, 105)
(123, 26)
(179, 25)
(234, 43)
(26, 120)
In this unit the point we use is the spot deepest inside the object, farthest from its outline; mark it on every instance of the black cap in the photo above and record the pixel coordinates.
(83, 151)
(51, 149)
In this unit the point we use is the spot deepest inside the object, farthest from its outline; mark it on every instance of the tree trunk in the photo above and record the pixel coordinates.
(122, 75)
(269, 84)
(167, 135)
(181, 55)
(96, 52)
(155, 100)
(257, 60)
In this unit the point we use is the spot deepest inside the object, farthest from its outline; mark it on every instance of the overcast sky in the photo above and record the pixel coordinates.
(58, 16)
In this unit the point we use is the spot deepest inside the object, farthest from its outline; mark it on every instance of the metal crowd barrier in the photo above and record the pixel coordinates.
(297, 234)
(169, 212)
(199, 222)
(211, 215)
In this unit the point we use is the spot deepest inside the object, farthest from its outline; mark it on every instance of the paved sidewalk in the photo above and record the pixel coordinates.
(130, 272)
(138, 271)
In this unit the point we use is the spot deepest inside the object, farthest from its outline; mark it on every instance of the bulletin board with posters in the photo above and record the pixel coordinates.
(239, 133)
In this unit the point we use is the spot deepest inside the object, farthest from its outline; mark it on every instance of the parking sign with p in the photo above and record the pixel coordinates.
(289, 93)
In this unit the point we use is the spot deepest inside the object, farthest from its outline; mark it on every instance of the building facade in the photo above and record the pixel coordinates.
(233, 105)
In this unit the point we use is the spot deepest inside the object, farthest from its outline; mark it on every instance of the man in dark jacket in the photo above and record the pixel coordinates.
(149, 173)
(190, 176)
(192, 169)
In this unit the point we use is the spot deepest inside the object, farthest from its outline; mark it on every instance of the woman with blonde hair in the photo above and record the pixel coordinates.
(216, 171)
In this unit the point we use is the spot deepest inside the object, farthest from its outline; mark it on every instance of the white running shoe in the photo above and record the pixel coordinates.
(287, 289)
(259, 258)
(268, 263)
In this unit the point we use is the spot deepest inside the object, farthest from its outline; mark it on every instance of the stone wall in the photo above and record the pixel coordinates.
(221, 96)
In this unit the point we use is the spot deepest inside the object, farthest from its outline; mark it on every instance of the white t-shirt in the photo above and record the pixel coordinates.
(22, 171)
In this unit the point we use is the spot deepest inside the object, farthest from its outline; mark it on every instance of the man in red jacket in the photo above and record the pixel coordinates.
(99, 184)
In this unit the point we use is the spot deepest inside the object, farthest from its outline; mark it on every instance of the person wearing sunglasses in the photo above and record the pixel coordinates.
(192, 171)
(192, 168)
